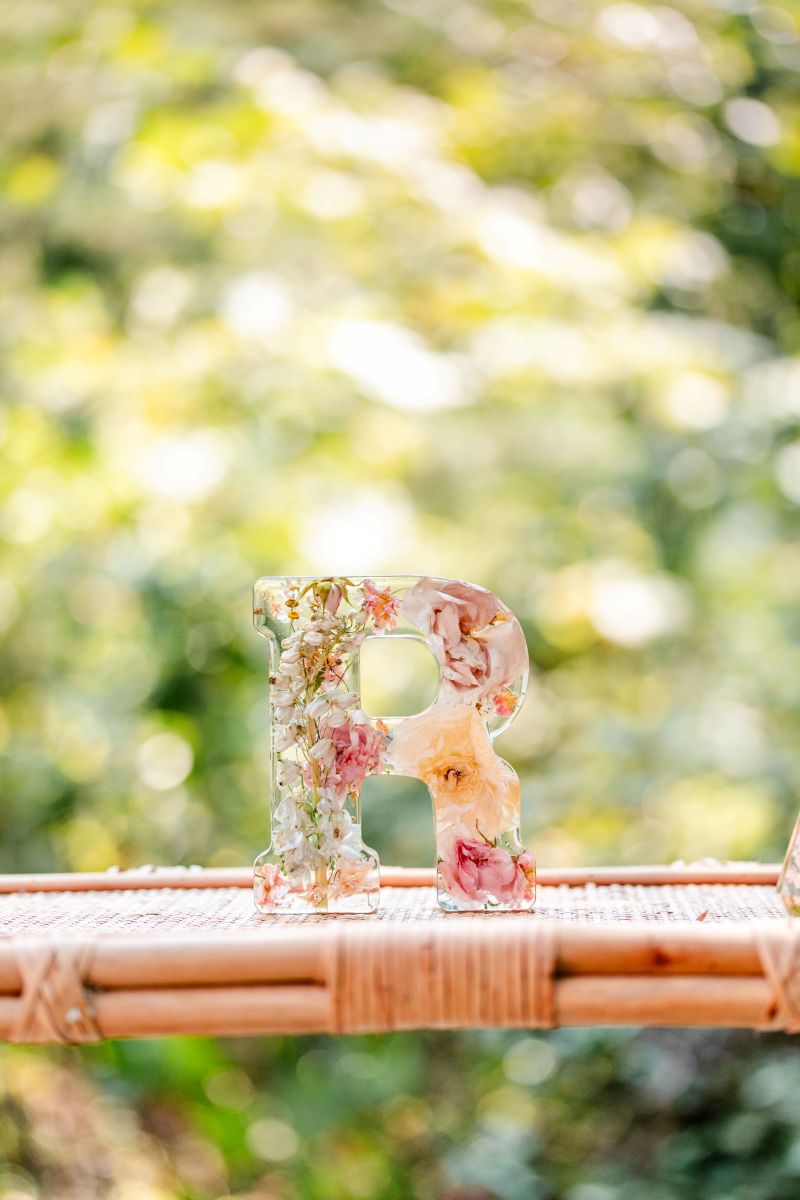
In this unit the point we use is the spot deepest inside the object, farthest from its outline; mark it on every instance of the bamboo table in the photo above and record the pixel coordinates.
(182, 951)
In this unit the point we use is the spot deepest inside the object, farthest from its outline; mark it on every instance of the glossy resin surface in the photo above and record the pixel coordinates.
(323, 745)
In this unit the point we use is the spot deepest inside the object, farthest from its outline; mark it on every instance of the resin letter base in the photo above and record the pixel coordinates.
(176, 951)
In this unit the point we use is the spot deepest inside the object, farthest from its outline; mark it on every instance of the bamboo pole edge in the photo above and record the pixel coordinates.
(765, 874)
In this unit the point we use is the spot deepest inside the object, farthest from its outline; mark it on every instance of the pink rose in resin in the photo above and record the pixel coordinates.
(447, 611)
(381, 606)
(473, 870)
(479, 646)
(359, 753)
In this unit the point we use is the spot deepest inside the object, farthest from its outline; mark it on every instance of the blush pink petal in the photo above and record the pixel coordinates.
(333, 599)
(508, 651)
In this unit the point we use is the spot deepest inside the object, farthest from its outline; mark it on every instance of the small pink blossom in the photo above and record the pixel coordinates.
(269, 885)
(334, 673)
(473, 870)
(505, 702)
(381, 605)
(359, 752)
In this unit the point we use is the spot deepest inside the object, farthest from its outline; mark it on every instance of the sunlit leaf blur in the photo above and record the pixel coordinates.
(498, 289)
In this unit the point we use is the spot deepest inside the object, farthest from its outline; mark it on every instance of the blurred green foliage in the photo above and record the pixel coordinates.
(497, 289)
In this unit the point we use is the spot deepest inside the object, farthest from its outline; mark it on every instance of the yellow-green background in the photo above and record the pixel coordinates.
(499, 290)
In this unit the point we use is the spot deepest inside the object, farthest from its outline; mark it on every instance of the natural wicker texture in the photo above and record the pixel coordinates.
(137, 958)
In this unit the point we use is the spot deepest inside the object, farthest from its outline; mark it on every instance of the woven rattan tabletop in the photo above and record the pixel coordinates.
(214, 910)
(183, 951)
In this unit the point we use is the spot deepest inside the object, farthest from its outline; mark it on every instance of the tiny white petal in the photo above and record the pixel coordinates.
(284, 738)
(336, 718)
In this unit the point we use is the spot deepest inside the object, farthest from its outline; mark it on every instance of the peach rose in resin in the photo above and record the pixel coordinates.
(449, 749)
(478, 644)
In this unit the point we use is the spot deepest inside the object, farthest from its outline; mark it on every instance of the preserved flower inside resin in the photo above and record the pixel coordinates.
(448, 748)
(478, 648)
(473, 869)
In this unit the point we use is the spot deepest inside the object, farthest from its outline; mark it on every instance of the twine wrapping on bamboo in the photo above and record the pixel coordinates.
(460, 974)
(54, 1004)
(779, 950)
